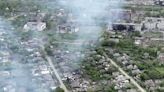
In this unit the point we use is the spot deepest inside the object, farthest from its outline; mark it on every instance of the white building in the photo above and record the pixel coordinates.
(152, 23)
(38, 26)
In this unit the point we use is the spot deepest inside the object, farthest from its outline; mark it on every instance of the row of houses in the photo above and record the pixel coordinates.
(40, 70)
(23, 69)
(149, 24)
(127, 63)
(145, 2)
(66, 62)
(121, 23)
(74, 77)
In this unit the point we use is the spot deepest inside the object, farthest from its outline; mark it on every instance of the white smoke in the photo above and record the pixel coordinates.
(88, 15)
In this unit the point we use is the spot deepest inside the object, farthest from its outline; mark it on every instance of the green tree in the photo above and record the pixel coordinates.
(144, 77)
(153, 74)
(48, 50)
(58, 89)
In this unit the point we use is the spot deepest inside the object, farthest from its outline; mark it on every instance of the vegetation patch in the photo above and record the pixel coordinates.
(160, 69)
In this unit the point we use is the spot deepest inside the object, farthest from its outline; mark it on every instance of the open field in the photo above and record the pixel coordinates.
(160, 69)
(153, 34)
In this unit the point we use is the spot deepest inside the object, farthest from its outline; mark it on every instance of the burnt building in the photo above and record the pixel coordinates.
(67, 28)
(123, 26)
(159, 2)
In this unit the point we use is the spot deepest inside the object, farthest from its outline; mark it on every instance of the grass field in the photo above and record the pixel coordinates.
(160, 69)
(153, 34)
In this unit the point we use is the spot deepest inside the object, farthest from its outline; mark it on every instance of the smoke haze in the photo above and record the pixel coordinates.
(90, 16)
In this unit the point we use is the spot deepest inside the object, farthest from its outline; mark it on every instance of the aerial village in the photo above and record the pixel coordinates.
(128, 57)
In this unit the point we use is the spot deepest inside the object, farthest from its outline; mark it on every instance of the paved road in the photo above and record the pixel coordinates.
(126, 74)
(55, 71)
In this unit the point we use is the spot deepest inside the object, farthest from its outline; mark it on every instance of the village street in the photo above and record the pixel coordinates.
(55, 71)
(125, 74)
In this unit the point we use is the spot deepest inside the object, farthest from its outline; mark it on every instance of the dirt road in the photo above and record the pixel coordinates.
(126, 74)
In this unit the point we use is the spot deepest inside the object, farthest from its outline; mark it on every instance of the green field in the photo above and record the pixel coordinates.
(153, 34)
(160, 69)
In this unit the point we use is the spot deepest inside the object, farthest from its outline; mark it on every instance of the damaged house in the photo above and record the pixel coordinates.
(152, 23)
(159, 2)
(123, 26)
(121, 22)
(67, 28)
(36, 26)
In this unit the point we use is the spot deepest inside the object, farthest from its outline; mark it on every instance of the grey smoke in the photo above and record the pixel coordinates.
(21, 77)
(90, 14)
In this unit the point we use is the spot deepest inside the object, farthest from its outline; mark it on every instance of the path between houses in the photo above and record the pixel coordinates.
(55, 72)
(126, 74)
(14, 17)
